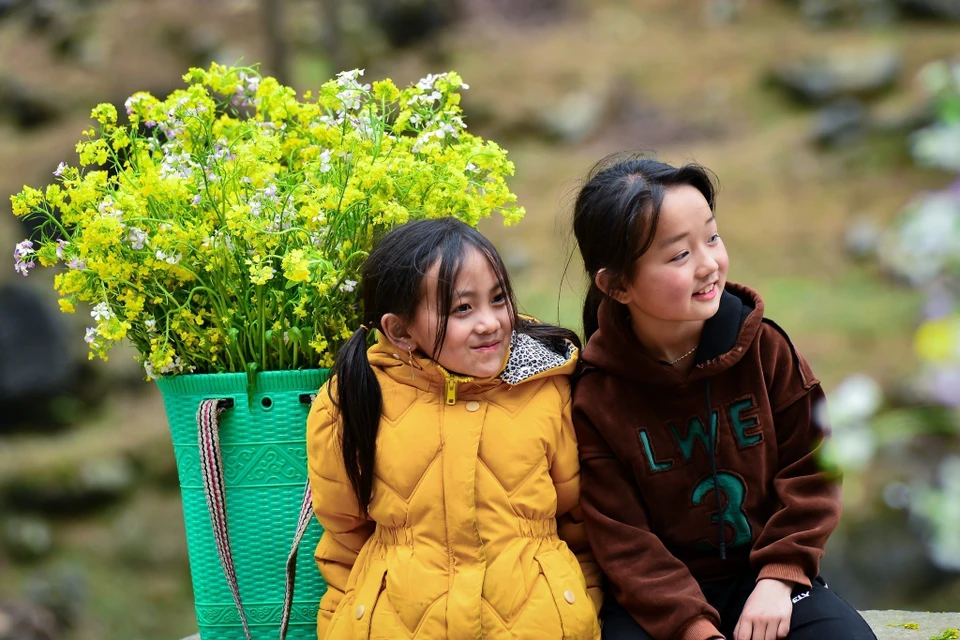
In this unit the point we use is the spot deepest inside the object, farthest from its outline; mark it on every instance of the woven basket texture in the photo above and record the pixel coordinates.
(263, 443)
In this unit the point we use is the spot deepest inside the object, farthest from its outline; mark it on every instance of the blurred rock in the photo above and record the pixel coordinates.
(157, 465)
(26, 107)
(67, 25)
(35, 366)
(66, 490)
(720, 12)
(517, 258)
(853, 73)
(409, 22)
(527, 13)
(931, 9)
(821, 14)
(862, 237)
(839, 123)
(26, 621)
(7, 6)
(197, 44)
(901, 113)
(62, 593)
(850, 565)
(575, 116)
(26, 538)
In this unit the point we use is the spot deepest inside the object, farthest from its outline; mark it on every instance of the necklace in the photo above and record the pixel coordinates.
(673, 362)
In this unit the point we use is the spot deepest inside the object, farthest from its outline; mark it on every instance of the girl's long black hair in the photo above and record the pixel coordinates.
(392, 281)
(616, 214)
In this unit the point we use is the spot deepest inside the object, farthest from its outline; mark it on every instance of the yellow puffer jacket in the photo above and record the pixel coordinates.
(474, 518)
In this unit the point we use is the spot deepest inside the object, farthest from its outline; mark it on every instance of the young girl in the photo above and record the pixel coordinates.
(443, 459)
(698, 424)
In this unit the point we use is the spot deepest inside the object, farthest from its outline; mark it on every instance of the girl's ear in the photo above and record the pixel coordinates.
(397, 332)
(607, 283)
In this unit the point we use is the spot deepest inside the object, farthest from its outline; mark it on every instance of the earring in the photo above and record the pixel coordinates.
(410, 356)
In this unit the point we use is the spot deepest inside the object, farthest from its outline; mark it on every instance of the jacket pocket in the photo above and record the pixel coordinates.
(578, 618)
(365, 599)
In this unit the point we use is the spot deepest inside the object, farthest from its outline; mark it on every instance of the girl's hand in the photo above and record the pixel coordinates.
(766, 615)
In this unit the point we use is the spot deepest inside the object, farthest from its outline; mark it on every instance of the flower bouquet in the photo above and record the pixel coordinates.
(221, 231)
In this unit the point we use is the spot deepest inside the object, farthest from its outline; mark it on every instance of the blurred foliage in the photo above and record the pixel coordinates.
(922, 250)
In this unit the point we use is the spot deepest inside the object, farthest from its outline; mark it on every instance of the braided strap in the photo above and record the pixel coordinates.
(211, 468)
(306, 514)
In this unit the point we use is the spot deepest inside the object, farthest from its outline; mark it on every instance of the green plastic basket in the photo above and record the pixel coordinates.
(263, 447)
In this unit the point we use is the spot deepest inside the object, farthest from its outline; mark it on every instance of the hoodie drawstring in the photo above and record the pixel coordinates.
(712, 438)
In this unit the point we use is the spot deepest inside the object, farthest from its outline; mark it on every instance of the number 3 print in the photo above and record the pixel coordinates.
(733, 488)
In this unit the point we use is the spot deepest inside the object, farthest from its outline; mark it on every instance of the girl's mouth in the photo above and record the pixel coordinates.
(709, 292)
(487, 347)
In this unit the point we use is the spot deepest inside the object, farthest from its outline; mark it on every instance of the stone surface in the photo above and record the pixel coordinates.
(930, 625)
(35, 366)
(848, 73)
(932, 9)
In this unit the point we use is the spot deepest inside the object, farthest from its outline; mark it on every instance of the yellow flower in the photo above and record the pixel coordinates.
(260, 274)
(938, 340)
(296, 267)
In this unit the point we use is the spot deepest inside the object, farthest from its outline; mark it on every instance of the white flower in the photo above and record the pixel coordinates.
(348, 286)
(101, 312)
(91, 335)
(855, 399)
(151, 326)
(172, 258)
(137, 238)
(60, 168)
(325, 157)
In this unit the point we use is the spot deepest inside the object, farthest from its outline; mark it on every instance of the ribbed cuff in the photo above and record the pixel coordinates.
(786, 572)
(700, 629)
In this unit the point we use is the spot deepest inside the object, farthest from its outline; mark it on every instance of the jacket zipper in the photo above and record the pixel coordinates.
(451, 394)
(450, 382)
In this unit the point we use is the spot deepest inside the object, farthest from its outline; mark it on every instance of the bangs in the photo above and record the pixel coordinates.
(450, 255)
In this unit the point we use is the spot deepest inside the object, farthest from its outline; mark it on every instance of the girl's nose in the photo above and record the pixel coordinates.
(708, 266)
(488, 322)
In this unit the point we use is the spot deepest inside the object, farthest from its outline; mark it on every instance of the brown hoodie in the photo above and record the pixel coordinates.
(651, 490)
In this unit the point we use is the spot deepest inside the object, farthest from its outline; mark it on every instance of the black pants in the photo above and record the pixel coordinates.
(818, 613)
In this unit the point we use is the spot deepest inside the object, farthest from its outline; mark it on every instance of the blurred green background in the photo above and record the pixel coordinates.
(807, 110)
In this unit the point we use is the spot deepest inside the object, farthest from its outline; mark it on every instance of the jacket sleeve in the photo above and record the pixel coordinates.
(791, 543)
(565, 472)
(648, 581)
(344, 530)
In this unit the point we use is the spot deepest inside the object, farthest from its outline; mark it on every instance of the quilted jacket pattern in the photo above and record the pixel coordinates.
(474, 527)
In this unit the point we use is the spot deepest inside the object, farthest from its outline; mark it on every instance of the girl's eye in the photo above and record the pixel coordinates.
(680, 256)
(462, 308)
(714, 238)
(499, 298)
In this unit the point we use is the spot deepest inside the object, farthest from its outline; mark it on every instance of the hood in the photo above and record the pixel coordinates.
(527, 359)
(725, 338)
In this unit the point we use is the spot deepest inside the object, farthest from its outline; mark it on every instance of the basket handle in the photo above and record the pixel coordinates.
(211, 468)
(306, 514)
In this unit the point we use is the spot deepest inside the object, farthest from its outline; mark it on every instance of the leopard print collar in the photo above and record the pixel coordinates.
(530, 357)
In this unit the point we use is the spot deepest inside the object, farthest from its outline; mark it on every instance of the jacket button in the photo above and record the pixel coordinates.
(473, 405)
(362, 609)
(569, 597)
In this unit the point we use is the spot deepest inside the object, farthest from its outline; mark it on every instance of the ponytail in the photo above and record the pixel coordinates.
(359, 402)
(591, 310)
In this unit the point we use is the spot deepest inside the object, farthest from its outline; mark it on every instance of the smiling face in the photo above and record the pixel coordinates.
(681, 276)
(480, 323)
